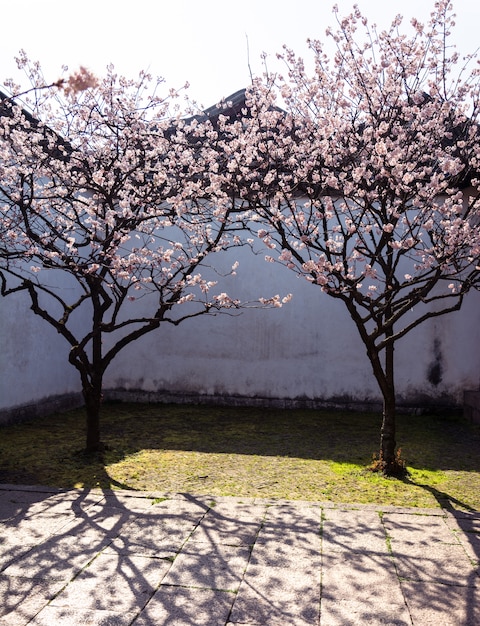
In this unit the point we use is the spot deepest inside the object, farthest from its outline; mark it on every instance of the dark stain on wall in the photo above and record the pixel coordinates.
(435, 369)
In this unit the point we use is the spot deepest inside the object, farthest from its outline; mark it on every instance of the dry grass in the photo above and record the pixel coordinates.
(308, 455)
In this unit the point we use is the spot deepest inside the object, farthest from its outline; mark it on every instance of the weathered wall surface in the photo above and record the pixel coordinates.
(308, 351)
(35, 375)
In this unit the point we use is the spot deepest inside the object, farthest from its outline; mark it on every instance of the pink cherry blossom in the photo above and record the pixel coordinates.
(104, 181)
(374, 175)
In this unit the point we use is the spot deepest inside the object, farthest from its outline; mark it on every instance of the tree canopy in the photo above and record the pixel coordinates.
(110, 193)
(365, 180)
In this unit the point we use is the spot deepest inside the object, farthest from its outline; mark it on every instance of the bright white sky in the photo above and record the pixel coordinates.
(203, 42)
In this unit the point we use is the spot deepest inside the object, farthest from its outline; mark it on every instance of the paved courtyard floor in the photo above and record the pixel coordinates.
(119, 558)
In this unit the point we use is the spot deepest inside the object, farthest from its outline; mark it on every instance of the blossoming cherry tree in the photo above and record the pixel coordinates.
(364, 176)
(112, 215)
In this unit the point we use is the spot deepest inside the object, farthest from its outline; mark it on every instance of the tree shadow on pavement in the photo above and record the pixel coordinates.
(117, 558)
(100, 556)
(438, 559)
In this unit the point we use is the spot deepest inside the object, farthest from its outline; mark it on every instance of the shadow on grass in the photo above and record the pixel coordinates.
(46, 451)
(437, 442)
(445, 501)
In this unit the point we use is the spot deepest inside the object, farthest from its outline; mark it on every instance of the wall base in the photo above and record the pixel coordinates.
(41, 408)
(54, 404)
(332, 404)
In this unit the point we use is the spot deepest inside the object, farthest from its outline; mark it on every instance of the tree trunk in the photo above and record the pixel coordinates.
(92, 391)
(389, 463)
(93, 398)
(387, 434)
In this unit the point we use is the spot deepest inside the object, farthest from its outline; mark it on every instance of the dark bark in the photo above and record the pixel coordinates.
(387, 433)
(93, 391)
(93, 399)
(388, 462)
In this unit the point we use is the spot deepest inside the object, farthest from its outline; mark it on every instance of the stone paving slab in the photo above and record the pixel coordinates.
(467, 531)
(118, 558)
(287, 553)
(271, 594)
(181, 606)
(60, 557)
(219, 567)
(127, 584)
(431, 604)
(353, 531)
(23, 598)
(418, 530)
(234, 523)
(65, 616)
(361, 588)
(443, 564)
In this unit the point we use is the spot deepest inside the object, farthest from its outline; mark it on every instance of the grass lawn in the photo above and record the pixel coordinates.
(269, 453)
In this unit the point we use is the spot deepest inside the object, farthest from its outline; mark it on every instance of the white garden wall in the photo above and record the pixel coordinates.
(306, 352)
(35, 375)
